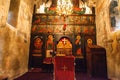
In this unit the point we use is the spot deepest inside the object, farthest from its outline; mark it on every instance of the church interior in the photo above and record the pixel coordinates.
(61, 37)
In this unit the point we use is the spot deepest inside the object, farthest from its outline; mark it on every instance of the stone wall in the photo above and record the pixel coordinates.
(4, 6)
(15, 41)
(108, 38)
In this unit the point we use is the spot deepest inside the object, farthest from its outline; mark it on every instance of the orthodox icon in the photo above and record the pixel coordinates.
(49, 46)
(37, 45)
(78, 46)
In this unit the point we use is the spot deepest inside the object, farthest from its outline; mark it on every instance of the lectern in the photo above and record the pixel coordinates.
(64, 68)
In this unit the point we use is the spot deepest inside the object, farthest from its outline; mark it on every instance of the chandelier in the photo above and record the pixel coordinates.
(64, 7)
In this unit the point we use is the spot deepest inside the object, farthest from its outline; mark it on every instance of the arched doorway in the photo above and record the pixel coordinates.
(64, 47)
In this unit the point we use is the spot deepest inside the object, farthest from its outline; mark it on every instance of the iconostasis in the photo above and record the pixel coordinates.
(61, 35)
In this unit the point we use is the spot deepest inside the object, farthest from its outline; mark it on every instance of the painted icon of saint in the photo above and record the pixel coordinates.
(37, 45)
(49, 46)
(78, 45)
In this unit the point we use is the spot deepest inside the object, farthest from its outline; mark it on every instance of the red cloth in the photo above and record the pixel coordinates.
(48, 60)
(64, 68)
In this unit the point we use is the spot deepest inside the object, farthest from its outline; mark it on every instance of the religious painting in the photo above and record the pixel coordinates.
(49, 46)
(85, 29)
(49, 29)
(78, 29)
(37, 45)
(42, 29)
(114, 12)
(77, 19)
(39, 19)
(50, 19)
(90, 40)
(34, 28)
(64, 47)
(80, 19)
(71, 19)
(60, 29)
(92, 30)
(39, 29)
(87, 19)
(78, 46)
(55, 19)
(92, 19)
(69, 28)
(74, 19)
(84, 20)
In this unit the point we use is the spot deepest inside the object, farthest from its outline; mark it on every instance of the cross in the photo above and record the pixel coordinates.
(64, 40)
(64, 67)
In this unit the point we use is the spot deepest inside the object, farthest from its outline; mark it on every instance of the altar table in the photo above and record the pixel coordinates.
(64, 68)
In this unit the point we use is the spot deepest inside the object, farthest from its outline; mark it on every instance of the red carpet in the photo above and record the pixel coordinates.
(38, 74)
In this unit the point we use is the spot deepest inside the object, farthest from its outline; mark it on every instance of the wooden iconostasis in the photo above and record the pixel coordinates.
(50, 32)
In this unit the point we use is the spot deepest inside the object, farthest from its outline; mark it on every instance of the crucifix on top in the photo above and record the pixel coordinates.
(64, 41)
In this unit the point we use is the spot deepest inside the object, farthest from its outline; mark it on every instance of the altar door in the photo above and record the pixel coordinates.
(64, 68)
